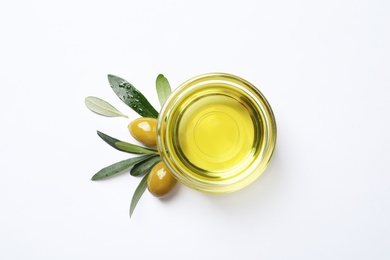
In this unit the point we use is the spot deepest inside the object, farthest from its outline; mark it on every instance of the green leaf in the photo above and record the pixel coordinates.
(132, 97)
(118, 167)
(145, 166)
(101, 107)
(163, 88)
(132, 148)
(138, 193)
(125, 147)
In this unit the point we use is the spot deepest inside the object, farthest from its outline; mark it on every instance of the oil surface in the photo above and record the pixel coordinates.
(215, 135)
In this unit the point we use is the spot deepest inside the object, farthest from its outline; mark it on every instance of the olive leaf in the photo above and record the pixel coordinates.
(145, 166)
(132, 97)
(163, 88)
(101, 107)
(118, 167)
(132, 148)
(125, 147)
(138, 193)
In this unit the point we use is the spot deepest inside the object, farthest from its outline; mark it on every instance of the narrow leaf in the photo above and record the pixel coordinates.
(132, 148)
(145, 166)
(101, 107)
(118, 167)
(125, 147)
(138, 193)
(163, 88)
(132, 97)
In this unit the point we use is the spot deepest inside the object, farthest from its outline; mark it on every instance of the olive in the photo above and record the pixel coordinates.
(160, 180)
(144, 130)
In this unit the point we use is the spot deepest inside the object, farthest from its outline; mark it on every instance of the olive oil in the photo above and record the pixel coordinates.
(216, 133)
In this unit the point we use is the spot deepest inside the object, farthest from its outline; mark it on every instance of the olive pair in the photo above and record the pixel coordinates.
(160, 180)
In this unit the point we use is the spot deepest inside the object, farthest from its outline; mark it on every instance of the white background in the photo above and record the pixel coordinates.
(323, 65)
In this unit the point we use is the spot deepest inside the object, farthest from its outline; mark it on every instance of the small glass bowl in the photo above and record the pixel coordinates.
(216, 133)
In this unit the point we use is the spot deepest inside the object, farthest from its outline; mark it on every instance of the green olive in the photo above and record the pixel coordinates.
(160, 180)
(144, 130)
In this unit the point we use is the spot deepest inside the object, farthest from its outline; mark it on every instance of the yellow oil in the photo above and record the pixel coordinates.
(216, 134)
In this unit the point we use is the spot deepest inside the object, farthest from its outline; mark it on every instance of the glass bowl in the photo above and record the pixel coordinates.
(216, 133)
